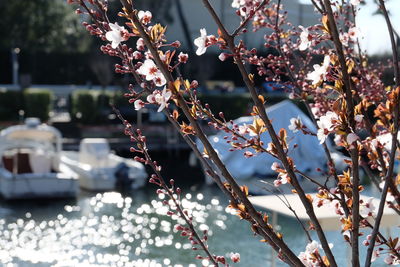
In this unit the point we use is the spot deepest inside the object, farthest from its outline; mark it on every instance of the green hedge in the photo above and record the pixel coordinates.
(38, 103)
(11, 102)
(83, 107)
(94, 106)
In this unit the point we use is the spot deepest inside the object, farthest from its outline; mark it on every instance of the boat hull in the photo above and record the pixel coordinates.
(44, 185)
(103, 178)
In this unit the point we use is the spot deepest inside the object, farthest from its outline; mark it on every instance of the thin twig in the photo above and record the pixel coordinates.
(282, 156)
(389, 174)
(287, 254)
(249, 17)
(350, 115)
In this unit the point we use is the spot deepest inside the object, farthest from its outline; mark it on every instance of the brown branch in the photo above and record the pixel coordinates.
(292, 78)
(350, 115)
(249, 17)
(282, 156)
(281, 247)
(143, 148)
(317, 6)
(389, 174)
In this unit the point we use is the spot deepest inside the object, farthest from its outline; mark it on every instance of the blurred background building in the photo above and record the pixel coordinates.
(43, 42)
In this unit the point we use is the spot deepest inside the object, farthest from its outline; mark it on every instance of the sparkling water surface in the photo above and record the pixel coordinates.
(111, 229)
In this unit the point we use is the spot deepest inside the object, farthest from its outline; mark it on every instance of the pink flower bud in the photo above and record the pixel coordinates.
(194, 84)
(220, 259)
(248, 154)
(178, 227)
(183, 58)
(176, 44)
(223, 56)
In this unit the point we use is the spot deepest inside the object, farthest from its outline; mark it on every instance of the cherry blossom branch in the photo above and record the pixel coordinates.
(395, 131)
(353, 99)
(331, 164)
(350, 114)
(249, 17)
(286, 202)
(317, 7)
(395, 55)
(158, 179)
(190, 142)
(269, 234)
(261, 110)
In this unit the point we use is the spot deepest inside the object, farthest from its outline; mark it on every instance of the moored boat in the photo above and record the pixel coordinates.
(101, 170)
(30, 164)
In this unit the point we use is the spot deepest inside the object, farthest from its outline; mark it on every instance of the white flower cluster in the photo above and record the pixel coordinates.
(116, 35)
(326, 125)
(151, 72)
(158, 97)
(319, 72)
(204, 41)
(245, 6)
(309, 256)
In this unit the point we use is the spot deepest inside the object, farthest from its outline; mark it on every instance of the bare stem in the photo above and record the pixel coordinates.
(249, 17)
(388, 177)
(287, 254)
(282, 156)
(168, 191)
(350, 115)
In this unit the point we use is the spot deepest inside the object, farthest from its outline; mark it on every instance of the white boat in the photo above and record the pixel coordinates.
(101, 170)
(305, 150)
(30, 164)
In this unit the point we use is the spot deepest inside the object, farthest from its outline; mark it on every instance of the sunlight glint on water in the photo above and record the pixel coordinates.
(109, 229)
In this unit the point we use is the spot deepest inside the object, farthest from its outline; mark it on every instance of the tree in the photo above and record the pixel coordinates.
(41, 25)
(343, 89)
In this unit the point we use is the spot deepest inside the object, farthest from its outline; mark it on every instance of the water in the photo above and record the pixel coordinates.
(109, 229)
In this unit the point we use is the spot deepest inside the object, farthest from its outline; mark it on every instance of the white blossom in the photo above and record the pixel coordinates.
(367, 208)
(152, 73)
(283, 178)
(275, 166)
(222, 56)
(238, 3)
(201, 42)
(358, 118)
(243, 129)
(140, 45)
(305, 39)
(326, 124)
(182, 57)
(248, 154)
(354, 32)
(295, 124)
(138, 104)
(162, 99)
(116, 35)
(307, 257)
(235, 257)
(145, 16)
(319, 72)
